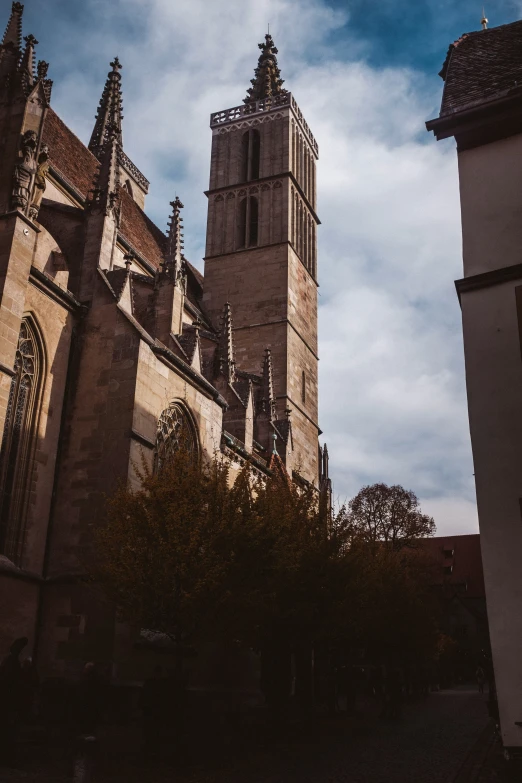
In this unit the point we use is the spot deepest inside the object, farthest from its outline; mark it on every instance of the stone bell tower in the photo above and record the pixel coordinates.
(261, 246)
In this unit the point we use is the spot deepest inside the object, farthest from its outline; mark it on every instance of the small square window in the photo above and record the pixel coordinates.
(448, 570)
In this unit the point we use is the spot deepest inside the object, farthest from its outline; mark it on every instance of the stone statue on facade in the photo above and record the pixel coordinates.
(39, 181)
(24, 171)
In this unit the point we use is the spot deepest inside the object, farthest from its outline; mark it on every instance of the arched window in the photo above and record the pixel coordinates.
(248, 223)
(18, 440)
(303, 387)
(175, 431)
(250, 155)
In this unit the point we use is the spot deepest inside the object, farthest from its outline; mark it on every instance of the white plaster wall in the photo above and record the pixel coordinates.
(494, 383)
(491, 205)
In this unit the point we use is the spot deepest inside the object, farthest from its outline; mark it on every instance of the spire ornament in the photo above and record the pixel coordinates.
(268, 401)
(484, 21)
(104, 195)
(174, 260)
(11, 45)
(13, 31)
(267, 81)
(109, 115)
(27, 65)
(225, 350)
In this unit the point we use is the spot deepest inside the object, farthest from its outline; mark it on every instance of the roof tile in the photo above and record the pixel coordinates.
(481, 66)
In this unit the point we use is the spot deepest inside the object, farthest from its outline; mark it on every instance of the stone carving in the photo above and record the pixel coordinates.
(24, 171)
(267, 82)
(39, 181)
(42, 70)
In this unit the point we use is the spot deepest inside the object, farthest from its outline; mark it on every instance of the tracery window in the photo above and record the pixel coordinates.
(18, 440)
(175, 431)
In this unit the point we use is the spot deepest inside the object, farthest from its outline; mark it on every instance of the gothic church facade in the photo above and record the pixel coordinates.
(114, 346)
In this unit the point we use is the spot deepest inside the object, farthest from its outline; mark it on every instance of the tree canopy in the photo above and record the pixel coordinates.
(195, 555)
(390, 514)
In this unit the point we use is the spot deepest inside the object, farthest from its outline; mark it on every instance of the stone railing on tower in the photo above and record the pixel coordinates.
(260, 107)
(126, 163)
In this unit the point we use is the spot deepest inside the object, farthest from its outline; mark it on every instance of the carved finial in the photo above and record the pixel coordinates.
(226, 359)
(267, 80)
(27, 64)
(484, 21)
(174, 259)
(274, 444)
(42, 70)
(128, 258)
(109, 116)
(325, 465)
(268, 401)
(13, 31)
(104, 195)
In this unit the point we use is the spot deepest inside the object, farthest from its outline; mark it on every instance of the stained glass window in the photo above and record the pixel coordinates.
(17, 442)
(175, 431)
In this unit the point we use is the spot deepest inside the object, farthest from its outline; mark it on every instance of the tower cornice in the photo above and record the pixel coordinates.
(254, 183)
(263, 108)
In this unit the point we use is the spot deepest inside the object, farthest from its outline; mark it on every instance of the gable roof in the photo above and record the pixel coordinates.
(69, 155)
(78, 166)
(482, 66)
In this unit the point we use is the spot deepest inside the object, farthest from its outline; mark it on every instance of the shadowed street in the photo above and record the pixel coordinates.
(430, 743)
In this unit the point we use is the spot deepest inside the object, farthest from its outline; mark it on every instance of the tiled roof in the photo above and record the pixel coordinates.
(140, 231)
(69, 155)
(482, 66)
(71, 158)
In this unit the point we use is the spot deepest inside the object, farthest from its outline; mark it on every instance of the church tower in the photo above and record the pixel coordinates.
(261, 247)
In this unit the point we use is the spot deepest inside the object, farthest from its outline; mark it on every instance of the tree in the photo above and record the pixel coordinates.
(390, 514)
(164, 552)
(258, 562)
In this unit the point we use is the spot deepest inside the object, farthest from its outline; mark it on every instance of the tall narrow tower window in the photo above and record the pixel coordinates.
(241, 224)
(250, 155)
(248, 223)
(303, 387)
(18, 441)
(253, 222)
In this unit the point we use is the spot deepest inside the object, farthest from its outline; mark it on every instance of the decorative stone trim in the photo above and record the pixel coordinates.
(243, 191)
(247, 115)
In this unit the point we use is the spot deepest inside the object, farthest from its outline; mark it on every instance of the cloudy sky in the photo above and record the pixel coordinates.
(364, 73)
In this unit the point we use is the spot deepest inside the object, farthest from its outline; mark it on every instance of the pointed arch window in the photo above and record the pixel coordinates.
(175, 431)
(18, 440)
(250, 155)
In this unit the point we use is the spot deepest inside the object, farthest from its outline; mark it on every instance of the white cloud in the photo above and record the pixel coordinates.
(392, 381)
